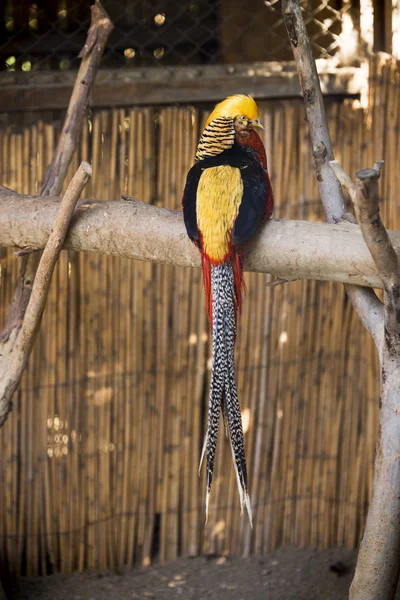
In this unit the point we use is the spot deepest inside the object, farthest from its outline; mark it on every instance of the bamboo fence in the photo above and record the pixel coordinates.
(99, 457)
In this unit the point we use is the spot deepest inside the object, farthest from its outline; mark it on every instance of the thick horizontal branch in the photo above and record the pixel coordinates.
(287, 249)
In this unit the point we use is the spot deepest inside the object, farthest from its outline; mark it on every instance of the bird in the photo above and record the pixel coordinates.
(226, 198)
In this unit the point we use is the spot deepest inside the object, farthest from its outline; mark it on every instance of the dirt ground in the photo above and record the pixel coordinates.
(287, 574)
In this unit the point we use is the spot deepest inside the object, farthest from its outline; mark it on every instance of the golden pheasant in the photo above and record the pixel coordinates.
(227, 196)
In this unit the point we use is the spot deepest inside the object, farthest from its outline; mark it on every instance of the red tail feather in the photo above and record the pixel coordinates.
(206, 268)
(240, 286)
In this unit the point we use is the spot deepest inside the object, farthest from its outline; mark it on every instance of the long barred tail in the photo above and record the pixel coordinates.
(223, 394)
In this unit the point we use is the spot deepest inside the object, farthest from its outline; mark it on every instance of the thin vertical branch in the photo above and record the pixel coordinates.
(98, 34)
(329, 187)
(373, 230)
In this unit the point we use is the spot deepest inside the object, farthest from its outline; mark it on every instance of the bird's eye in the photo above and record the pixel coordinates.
(242, 118)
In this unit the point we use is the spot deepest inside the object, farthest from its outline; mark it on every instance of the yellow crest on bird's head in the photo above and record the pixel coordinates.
(233, 106)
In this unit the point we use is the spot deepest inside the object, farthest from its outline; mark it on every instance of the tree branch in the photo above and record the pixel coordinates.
(331, 194)
(16, 350)
(99, 31)
(98, 34)
(377, 569)
(329, 187)
(370, 311)
(286, 249)
(92, 52)
(365, 304)
(344, 179)
(372, 228)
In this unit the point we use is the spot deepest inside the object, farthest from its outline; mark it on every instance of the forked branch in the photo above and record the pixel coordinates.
(330, 190)
(367, 305)
(15, 351)
(91, 54)
(377, 569)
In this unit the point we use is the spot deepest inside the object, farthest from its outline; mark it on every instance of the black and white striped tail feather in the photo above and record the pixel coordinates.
(223, 393)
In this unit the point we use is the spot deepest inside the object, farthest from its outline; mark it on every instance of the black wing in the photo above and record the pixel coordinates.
(255, 193)
(252, 208)
(189, 202)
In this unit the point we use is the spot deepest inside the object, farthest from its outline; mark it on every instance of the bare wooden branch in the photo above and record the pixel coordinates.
(26, 250)
(370, 311)
(378, 564)
(344, 179)
(378, 567)
(100, 29)
(16, 311)
(372, 228)
(286, 249)
(278, 281)
(331, 194)
(3, 188)
(366, 305)
(16, 350)
(378, 166)
(329, 187)
(98, 34)
(65, 149)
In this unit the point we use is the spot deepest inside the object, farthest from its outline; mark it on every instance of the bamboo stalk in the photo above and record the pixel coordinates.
(148, 194)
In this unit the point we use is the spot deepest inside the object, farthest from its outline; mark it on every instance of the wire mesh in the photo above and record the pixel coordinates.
(48, 34)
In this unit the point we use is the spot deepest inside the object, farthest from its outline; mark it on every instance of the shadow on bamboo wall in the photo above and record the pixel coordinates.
(99, 457)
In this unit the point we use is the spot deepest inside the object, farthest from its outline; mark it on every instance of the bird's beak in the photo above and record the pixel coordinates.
(257, 123)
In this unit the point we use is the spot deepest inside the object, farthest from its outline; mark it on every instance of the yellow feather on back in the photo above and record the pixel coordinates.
(219, 195)
(234, 106)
